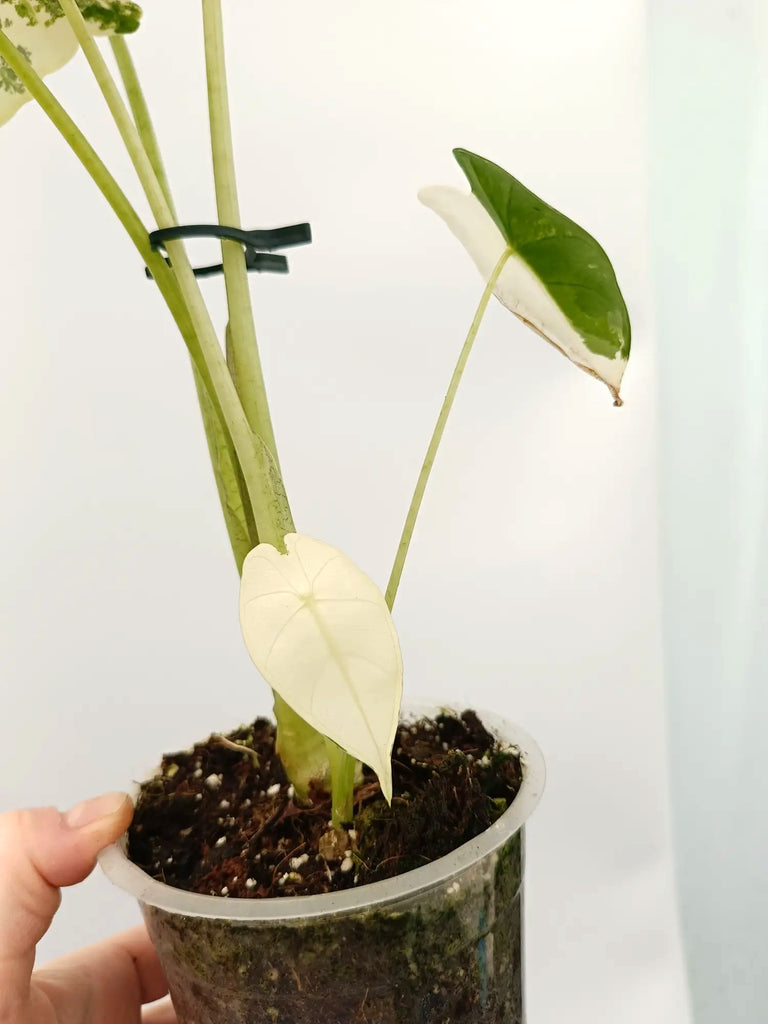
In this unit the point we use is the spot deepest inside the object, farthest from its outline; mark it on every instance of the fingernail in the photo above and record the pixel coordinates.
(90, 811)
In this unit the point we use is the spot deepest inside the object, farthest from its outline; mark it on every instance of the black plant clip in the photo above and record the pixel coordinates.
(253, 241)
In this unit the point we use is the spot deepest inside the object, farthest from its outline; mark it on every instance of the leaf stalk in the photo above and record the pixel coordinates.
(245, 363)
(437, 434)
(342, 784)
(255, 467)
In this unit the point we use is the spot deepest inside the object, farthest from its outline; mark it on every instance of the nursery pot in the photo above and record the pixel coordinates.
(439, 944)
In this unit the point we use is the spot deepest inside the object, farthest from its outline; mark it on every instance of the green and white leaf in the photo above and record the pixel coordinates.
(41, 32)
(557, 279)
(319, 631)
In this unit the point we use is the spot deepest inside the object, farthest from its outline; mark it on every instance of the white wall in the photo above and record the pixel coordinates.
(532, 586)
(710, 210)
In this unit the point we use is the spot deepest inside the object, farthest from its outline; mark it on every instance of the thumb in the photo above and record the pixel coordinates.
(40, 850)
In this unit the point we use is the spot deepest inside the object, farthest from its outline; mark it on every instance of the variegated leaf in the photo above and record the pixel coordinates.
(42, 34)
(557, 278)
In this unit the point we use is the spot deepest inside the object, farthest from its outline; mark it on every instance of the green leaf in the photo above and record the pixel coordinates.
(319, 631)
(558, 278)
(41, 32)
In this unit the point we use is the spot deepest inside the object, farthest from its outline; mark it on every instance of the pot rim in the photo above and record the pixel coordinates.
(131, 878)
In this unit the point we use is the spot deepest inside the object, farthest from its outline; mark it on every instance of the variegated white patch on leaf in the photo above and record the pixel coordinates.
(557, 278)
(41, 32)
(319, 631)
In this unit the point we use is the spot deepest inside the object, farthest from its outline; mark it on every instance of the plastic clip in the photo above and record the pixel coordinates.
(252, 241)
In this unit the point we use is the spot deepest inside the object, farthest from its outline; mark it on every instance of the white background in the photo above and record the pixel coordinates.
(532, 585)
(710, 210)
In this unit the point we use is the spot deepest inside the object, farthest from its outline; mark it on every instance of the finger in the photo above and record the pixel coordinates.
(119, 972)
(159, 1013)
(40, 850)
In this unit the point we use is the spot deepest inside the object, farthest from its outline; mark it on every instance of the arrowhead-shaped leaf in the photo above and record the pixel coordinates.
(557, 279)
(319, 631)
(42, 34)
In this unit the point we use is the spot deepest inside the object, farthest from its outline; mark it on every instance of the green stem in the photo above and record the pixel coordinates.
(120, 115)
(141, 115)
(111, 191)
(295, 736)
(256, 470)
(244, 352)
(298, 740)
(235, 504)
(163, 276)
(342, 784)
(442, 419)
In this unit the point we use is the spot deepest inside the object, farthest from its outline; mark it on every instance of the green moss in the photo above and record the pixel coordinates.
(427, 960)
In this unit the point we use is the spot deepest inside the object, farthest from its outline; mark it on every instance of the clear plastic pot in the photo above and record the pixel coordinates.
(439, 944)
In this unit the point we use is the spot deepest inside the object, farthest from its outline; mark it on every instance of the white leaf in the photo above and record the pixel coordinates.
(319, 631)
(48, 42)
(518, 288)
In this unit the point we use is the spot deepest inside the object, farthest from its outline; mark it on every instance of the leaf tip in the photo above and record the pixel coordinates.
(426, 195)
(385, 782)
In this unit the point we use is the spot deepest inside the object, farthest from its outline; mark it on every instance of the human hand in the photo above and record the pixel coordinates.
(108, 983)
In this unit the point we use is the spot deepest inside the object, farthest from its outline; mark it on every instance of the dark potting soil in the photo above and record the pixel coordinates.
(218, 821)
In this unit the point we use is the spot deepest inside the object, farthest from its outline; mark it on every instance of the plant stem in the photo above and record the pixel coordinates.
(141, 116)
(244, 352)
(86, 154)
(437, 434)
(342, 784)
(120, 115)
(235, 503)
(295, 735)
(256, 470)
(111, 191)
(209, 364)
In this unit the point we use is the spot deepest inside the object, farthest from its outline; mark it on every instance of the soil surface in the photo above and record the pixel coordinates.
(226, 822)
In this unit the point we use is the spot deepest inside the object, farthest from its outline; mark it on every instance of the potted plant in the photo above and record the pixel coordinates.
(253, 928)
